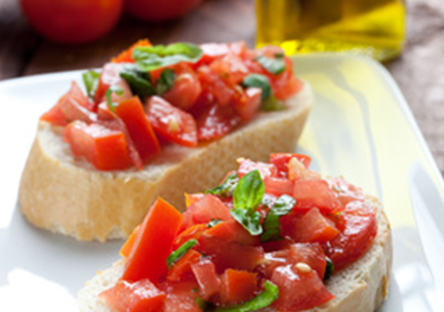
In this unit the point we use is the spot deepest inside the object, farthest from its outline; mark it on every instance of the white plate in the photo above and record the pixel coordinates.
(360, 127)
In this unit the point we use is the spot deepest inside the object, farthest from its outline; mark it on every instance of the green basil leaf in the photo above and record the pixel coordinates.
(263, 300)
(271, 104)
(91, 81)
(176, 255)
(213, 222)
(274, 65)
(154, 57)
(329, 268)
(258, 81)
(108, 94)
(165, 81)
(248, 219)
(139, 82)
(272, 224)
(226, 189)
(249, 191)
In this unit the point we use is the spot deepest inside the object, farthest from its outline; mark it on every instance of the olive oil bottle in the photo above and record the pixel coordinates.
(372, 27)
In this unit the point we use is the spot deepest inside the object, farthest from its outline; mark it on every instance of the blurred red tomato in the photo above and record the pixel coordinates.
(158, 11)
(72, 21)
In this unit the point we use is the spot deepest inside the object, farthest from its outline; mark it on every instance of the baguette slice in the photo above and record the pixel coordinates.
(362, 286)
(67, 195)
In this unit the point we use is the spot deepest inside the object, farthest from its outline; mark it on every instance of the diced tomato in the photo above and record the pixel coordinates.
(212, 51)
(140, 296)
(278, 186)
(104, 113)
(215, 122)
(360, 228)
(205, 274)
(310, 254)
(106, 149)
(230, 68)
(126, 248)
(229, 254)
(281, 160)
(293, 86)
(192, 198)
(193, 232)
(266, 170)
(246, 103)
(237, 286)
(298, 290)
(153, 244)
(206, 209)
(126, 55)
(345, 192)
(186, 88)
(312, 227)
(132, 114)
(181, 297)
(315, 193)
(213, 84)
(109, 76)
(182, 267)
(171, 122)
(74, 105)
(274, 259)
(232, 231)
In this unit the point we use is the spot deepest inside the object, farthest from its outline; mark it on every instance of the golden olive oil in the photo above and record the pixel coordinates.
(372, 27)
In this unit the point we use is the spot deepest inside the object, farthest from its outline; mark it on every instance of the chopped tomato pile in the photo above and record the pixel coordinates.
(182, 94)
(268, 235)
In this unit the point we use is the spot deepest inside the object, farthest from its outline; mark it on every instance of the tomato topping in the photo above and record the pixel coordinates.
(154, 238)
(293, 86)
(172, 123)
(232, 231)
(278, 186)
(230, 68)
(199, 212)
(126, 248)
(186, 88)
(106, 149)
(246, 103)
(215, 122)
(182, 267)
(266, 170)
(281, 161)
(315, 194)
(140, 296)
(298, 290)
(132, 114)
(312, 227)
(359, 229)
(237, 286)
(126, 56)
(205, 274)
(181, 297)
(192, 198)
(193, 232)
(215, 86)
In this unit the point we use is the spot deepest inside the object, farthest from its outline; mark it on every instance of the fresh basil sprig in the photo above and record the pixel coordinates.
(263, 300)
(139, 82)
(109, 92)
(165, 81)
(91, 81)
(247, 196)
(274, 65)
(176, 255)
(272, 225)
(226, 189)
(154, 57)
(258, 81)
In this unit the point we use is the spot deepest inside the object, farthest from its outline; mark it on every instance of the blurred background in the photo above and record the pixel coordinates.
(419, 69)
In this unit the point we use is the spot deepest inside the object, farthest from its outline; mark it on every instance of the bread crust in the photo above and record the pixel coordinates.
(362, 286)
(67, 195)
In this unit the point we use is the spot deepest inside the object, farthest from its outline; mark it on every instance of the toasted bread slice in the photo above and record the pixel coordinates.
(362, 286)
(67, 195)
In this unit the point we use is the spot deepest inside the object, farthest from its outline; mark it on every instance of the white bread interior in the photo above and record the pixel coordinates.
(360, 287)
(67, 195)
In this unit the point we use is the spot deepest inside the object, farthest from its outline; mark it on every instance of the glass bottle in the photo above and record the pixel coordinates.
(372, 27)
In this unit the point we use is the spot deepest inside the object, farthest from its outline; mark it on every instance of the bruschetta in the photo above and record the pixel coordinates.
(271, 237)
(155, 120)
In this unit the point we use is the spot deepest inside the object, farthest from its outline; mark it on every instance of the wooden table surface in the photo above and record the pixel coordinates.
(419, 71)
